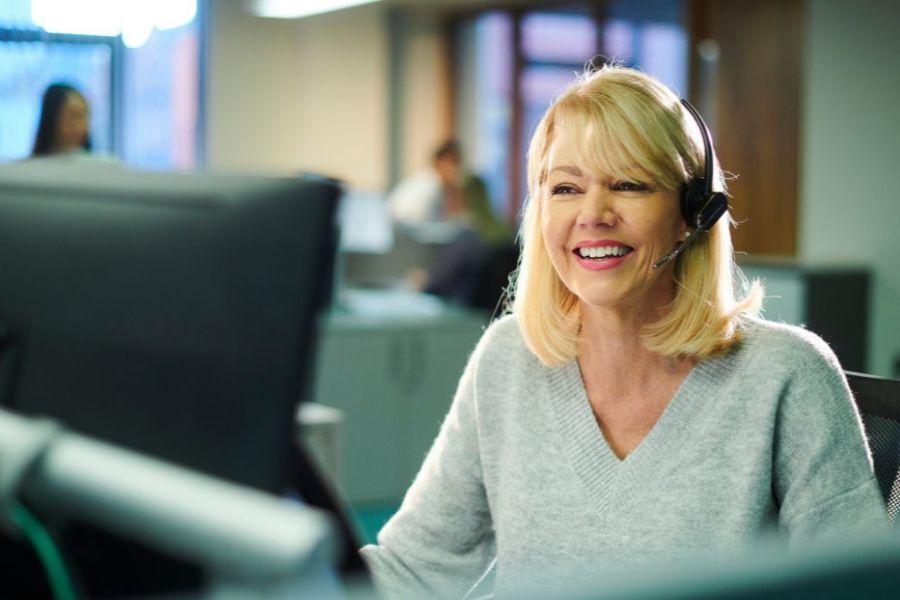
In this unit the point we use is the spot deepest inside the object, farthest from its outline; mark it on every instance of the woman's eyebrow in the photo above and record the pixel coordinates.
(568, 169)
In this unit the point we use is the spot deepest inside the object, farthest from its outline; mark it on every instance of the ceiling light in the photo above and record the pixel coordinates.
(133, 19)
(295, 9)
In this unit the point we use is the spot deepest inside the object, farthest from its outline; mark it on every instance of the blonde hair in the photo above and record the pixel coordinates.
(632, 124)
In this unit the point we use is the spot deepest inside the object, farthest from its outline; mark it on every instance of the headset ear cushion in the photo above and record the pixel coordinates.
(713, 208)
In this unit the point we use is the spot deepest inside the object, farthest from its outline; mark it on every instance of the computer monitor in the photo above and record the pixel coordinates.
(171, 314)
(849, 567)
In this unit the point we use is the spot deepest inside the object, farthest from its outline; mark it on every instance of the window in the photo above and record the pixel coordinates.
(161, 101)
(30, 65)
(144, 100)
(511, 65)
(483, 100)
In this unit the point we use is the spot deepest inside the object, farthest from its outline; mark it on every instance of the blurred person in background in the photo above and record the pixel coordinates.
(447, 192)
(447, 202)
(64, 124)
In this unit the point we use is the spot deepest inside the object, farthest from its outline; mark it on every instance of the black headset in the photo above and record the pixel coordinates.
(701, 207)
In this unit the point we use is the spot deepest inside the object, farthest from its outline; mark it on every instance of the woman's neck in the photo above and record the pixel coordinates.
(612, 348)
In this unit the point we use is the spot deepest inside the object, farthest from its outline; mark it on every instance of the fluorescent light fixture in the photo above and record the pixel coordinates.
(88, 17)
(135, 34)
(169, 14)
(294, 9)
(134, 20)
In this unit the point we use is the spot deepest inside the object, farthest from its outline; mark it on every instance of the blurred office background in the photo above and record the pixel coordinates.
(800, 94)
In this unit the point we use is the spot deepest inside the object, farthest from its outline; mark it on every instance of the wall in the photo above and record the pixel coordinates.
(298, 95)
(316, 94)
(424, 109)
(850, 154)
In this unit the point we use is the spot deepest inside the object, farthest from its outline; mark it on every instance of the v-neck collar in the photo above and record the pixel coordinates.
(602, 473)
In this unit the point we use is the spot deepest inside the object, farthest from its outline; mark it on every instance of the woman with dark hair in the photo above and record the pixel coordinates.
(63, 126)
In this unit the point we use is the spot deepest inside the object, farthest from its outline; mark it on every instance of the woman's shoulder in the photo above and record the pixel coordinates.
(502, 334)
(791, 365)
(502, 343)
(788, 345)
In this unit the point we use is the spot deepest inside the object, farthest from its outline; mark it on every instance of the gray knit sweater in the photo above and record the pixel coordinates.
(763, 439)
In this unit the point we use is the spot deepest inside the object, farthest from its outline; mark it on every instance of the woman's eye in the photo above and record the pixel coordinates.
(563, 189)
(630, 186)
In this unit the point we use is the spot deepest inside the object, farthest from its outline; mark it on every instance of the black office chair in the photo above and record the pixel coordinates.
(878, 400)
(493, 280)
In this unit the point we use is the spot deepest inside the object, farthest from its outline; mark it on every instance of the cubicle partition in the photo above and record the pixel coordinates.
(390, 361)
(831, 300)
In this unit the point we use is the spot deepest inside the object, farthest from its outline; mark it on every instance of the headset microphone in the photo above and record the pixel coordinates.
(681, 248)
(701, 207)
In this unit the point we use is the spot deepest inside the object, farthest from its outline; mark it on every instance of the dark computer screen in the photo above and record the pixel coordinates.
(850, 567)
(172, 314)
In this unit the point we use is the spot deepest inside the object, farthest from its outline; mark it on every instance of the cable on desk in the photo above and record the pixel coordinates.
(40, 539)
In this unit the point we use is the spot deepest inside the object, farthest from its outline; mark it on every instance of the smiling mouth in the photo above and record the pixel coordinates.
(600, 253)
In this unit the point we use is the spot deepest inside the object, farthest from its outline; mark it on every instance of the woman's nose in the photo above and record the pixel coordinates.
(597, 209)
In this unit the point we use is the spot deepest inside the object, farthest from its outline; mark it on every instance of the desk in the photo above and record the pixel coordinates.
(390, 361)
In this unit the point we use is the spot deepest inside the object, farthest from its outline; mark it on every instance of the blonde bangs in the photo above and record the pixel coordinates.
(612, 142)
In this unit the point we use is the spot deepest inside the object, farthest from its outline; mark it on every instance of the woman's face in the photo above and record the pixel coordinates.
(603, 234)
(72, 125)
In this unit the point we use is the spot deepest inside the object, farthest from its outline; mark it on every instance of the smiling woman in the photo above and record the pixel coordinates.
(581, 211)
(631, 412)
(632, 135)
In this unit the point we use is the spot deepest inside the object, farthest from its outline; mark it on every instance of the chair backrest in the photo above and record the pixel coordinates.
(494, 278)
(878, 400)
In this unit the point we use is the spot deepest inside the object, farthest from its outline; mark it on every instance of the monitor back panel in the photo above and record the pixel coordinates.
(171, 314)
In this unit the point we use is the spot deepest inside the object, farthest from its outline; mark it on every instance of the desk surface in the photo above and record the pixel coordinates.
(385, 307)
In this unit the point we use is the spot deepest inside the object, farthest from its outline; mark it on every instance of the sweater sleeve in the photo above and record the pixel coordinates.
(823, 479)
(441, 540)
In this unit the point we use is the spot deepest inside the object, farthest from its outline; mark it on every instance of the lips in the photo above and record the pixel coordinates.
(601, 254)
(601, 249)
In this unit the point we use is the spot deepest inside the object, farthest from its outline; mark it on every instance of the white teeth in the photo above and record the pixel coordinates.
(602, 251)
